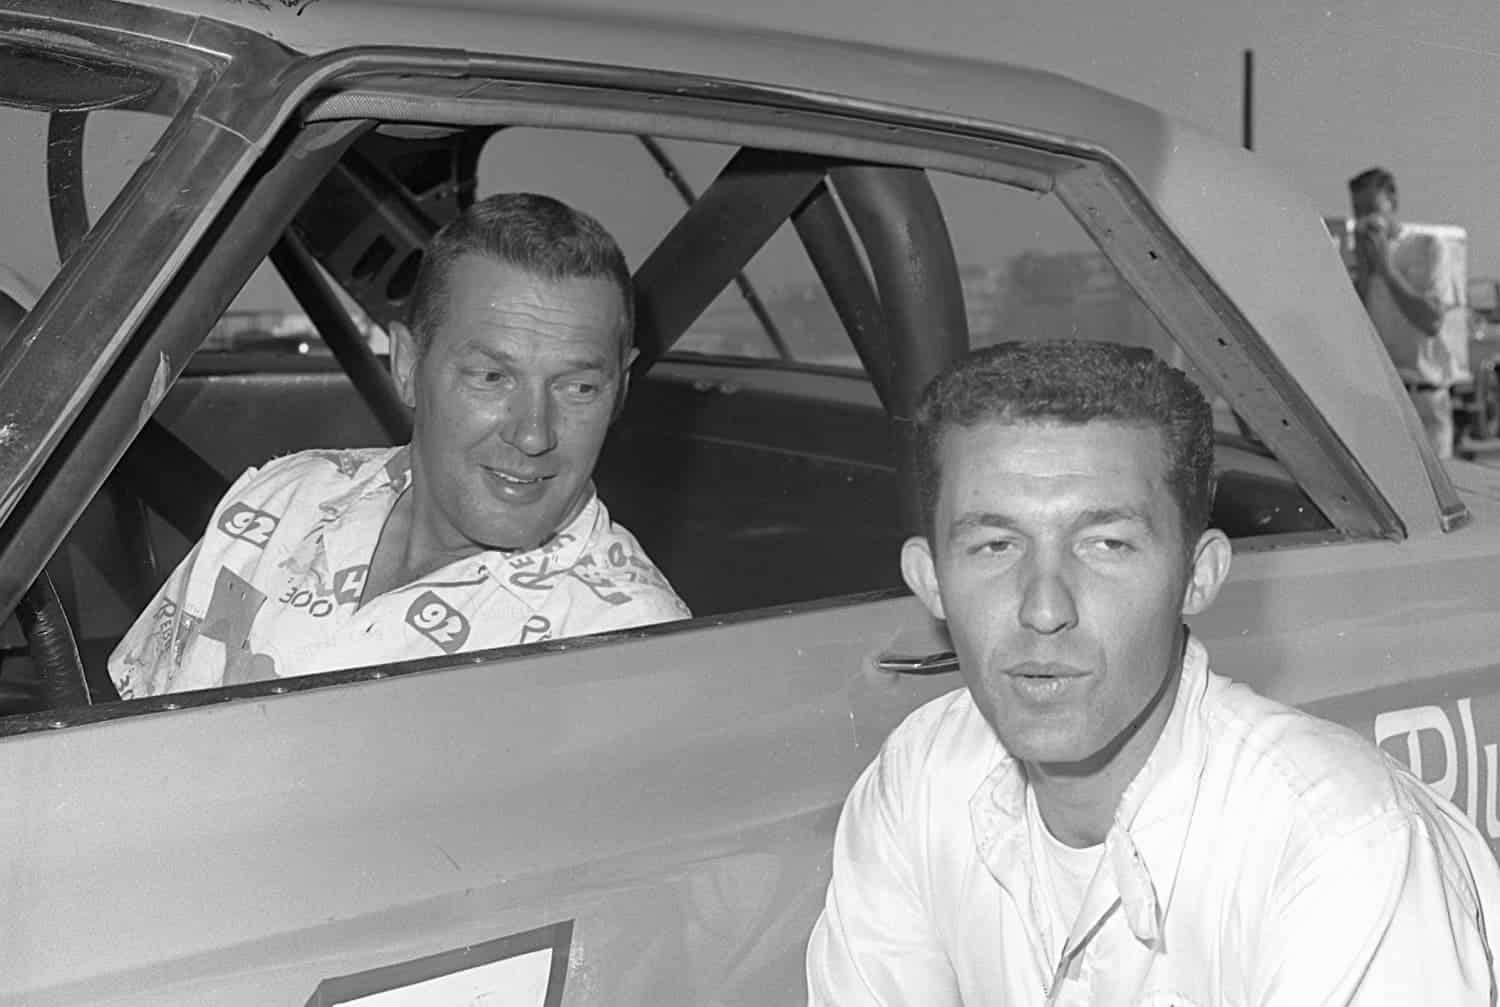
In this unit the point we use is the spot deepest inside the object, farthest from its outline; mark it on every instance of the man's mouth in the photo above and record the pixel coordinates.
(521, 489)
(1045, 669)
(516, 478)
(1044, 683)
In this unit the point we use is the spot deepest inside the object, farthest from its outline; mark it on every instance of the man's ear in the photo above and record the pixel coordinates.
(624, 388)
(1210, 568)
(404, 355)
(920, 573)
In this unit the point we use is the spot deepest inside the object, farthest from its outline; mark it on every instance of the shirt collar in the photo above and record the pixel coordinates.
(385, 480)
(565, 548)
(531, 575)
(1143, 848)
(392, 477)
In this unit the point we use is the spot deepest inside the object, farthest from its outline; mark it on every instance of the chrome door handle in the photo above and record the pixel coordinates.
(931, 664)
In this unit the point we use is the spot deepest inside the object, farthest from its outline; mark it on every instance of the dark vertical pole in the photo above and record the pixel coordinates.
(1247, 138)
(1248, 104)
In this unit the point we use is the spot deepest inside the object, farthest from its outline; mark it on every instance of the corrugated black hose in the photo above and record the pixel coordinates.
(54, 652)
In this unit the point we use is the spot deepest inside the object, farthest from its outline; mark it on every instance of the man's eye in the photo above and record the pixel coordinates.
(581, 390)
(992, 547)
(1111, 546)
(485, 377)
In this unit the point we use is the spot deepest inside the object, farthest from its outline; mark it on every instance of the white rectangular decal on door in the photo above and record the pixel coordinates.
(522, 970)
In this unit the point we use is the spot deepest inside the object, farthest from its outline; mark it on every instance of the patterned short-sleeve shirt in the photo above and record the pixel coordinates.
(273, 588)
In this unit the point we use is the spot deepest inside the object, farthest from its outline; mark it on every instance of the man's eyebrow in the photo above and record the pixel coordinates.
(971, 521)
(598, 362)
(1111, 515)
(475, 346)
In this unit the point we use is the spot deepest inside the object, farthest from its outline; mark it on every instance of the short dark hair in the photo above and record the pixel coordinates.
(1073, 382)
(1372, 180)
(536, 233)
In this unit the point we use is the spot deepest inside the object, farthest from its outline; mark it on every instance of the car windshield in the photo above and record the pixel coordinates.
(75, 127)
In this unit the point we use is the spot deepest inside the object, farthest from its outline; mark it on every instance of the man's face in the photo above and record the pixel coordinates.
(1375, 202)
(1059, 564)
(512, 396)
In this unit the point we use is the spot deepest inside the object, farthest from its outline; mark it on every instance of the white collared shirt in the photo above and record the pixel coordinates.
(1261, 857)
(274, 586)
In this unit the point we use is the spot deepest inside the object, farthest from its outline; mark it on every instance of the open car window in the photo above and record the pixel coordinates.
(1027, 270)
(794, 299)
(638, 186)
(751, 487)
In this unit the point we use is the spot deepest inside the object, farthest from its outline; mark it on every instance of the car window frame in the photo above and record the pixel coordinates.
(103, 291)
(1092, 184)
(627, 100)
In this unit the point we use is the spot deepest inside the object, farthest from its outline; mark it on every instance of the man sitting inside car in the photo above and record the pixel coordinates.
(484, 531)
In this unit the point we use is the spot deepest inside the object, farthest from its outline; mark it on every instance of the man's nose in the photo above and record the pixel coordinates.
(529, 421)
(1047, 602)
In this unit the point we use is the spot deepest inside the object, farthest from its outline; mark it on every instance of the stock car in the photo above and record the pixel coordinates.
(817, 229)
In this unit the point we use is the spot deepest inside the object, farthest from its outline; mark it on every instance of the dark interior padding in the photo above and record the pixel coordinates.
(57, 676)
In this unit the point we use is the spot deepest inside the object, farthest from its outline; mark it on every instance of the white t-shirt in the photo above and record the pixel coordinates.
(1064, 872)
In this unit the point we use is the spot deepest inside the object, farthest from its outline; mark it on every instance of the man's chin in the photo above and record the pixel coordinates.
(1050, 743)
(511, 536)
(517, 544)
(518, 536)
(512, 529)
(1060, 756)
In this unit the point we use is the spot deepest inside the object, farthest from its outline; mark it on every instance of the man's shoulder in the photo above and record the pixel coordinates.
(602, 534)
(1312, 768)
(608, 580)
(1317, 793)
(318, 472)
(1420, 254)
(944, 739)
(1414, 242)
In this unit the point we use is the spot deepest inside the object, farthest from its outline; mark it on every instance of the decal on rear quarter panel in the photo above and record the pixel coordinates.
(522, 970)
(1446, 730)
(1441, 745)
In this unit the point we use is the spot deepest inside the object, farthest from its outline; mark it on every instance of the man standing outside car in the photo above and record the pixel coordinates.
(484, 531)
(1097, 818)
(1407, 283)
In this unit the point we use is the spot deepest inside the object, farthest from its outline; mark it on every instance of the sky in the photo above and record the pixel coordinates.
(1408, 85)
(1338, 86)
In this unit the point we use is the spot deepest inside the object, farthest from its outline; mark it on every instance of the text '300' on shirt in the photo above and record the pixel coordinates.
(273, 588)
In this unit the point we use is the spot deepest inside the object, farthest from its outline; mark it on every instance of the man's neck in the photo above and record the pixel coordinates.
(407, 550)
(1078, 801)
(403, 554)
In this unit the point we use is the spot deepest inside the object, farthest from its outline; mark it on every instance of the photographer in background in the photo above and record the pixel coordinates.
(1405, 281)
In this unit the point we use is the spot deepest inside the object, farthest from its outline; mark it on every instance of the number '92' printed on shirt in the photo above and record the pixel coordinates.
(244, 522)
(439, 621)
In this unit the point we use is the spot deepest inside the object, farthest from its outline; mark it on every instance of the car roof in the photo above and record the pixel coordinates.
(1260, 238)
